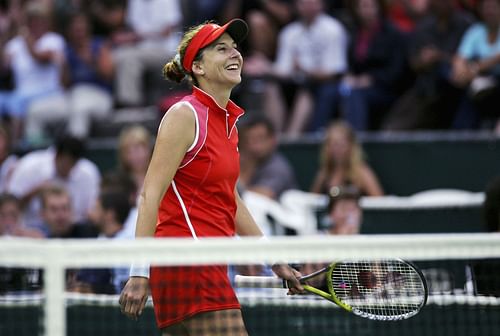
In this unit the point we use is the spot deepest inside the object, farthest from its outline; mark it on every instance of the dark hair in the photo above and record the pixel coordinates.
(256, 120)
(116, 201)
(69, 145)
(9, 198)
(118, 180)
(381, 4)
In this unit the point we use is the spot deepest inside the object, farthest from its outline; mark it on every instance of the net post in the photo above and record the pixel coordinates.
(55, 308)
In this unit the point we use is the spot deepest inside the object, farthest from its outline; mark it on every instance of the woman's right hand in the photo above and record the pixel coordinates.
(134, 296)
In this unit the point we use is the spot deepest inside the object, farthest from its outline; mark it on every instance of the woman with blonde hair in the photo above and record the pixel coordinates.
(342, 163)
(134, 153)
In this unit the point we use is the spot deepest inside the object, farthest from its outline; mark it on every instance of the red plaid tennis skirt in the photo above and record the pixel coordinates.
(182, 292)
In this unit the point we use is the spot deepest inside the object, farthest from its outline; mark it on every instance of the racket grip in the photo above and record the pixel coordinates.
(244, 281)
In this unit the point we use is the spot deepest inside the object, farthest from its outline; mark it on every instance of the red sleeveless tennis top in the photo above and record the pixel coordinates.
(200, 202)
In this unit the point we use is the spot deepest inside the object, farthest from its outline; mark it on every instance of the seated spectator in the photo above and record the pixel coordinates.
(15, 280)
(342, 163)
(145, 44)
(8, 27)
(265, 20)
(195, 12)
(262, 168)
(35, 56)
(124, 183)
(109, 215)
(11, 223)
(376, 68)
(62, 163)
(88, 76)
(311, 55)
(106, 16)
(344, 217)
(8, 160)
(432, 101)
(135, 148)
(344, 212)
(57, 215)
(477, 68)
(406, 14)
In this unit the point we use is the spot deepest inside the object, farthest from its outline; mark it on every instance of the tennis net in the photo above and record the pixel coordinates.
(38, 295)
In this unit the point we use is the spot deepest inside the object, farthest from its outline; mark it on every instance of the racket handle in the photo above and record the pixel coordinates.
(243, 281)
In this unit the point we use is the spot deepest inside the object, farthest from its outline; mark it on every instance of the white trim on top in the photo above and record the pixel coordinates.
(184, 210)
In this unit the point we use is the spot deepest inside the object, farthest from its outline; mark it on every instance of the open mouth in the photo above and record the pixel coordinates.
(233, 67)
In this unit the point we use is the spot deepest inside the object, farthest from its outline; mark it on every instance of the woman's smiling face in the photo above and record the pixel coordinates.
(221, 61)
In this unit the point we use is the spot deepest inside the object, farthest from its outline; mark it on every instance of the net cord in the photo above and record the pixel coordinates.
(179, 251)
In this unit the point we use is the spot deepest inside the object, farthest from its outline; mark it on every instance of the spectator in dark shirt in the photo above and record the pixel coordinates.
(263, 169)
(433, 99)
(376, 56)
(109, 215)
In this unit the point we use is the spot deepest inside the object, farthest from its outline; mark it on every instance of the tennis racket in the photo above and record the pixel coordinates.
(387, 290)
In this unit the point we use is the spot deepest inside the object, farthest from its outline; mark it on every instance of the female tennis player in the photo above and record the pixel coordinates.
(190, 189)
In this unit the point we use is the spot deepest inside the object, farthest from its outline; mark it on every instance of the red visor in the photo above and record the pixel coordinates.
(210, 32)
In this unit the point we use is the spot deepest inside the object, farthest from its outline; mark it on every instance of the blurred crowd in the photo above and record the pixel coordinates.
(378, 64)
(332, 67)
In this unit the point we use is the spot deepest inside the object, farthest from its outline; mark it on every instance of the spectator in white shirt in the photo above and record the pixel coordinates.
(64, 163)
(35, 56)
(151, 40)
(311, 55)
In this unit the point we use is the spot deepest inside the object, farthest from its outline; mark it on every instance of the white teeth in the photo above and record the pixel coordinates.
(232, 67)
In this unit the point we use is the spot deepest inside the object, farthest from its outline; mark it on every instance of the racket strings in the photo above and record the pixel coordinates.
(386, 289)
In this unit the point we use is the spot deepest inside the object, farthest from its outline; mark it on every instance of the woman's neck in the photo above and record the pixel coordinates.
(221, 95)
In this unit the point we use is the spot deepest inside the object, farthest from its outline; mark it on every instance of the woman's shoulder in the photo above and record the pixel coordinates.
(182, 109)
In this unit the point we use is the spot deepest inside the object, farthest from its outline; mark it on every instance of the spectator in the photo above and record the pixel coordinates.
(11, 223)
(109, 215)
(57, 215)
(62, 163)
(477, 68)
(135, 147)
(88, 75)
(262, 168)
(107, 17)
(35, 56)
(344, 212)
(8, 160)
(311, 55)
(406, 14)
(342, 163)
(196, 11)
(433, 99)
(146, 45)
(376, 57)
(265, 20)
(8, 27)
(122, 182)
(344, 217)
